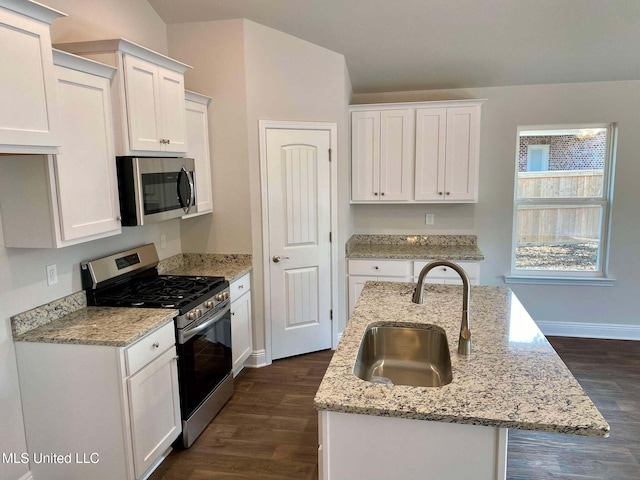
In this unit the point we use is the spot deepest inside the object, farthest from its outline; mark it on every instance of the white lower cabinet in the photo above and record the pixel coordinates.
(379, 448)
(114, 411)
(362, 271)
(241, 328)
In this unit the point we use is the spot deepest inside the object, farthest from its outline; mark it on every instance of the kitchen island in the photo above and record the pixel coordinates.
(512, 379)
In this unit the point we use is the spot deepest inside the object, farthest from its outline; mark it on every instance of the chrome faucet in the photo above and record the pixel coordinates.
(464, 341)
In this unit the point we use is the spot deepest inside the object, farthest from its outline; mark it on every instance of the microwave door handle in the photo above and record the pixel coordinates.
(186, 206)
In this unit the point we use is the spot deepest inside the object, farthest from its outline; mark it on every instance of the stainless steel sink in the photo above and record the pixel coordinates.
(401, 355)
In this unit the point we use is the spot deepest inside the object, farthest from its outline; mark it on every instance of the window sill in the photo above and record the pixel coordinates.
(549, 280)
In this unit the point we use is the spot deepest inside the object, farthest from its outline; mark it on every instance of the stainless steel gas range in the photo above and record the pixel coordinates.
(203, 325)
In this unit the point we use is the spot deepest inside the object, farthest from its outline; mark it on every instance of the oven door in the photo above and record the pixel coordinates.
(204, 358)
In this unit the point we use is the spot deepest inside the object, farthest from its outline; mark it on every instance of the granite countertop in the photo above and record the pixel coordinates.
(414, 247)
(111, 326)
(229, 266)
(512, 379)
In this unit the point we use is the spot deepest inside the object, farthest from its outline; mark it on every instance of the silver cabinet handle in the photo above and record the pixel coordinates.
(168, 141)
(277, 258)
(156, 345)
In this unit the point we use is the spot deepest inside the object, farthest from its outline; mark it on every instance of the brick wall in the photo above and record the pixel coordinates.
(567, 152)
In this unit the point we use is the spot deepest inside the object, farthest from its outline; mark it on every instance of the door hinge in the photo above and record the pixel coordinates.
(330, 237)
(331, 314)
(329, 154)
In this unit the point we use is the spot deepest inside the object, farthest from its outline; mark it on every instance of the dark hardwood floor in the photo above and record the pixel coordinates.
(268, 430)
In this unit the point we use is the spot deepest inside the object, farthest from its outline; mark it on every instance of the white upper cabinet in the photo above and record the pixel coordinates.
(382, 155)
(424, 152)
(28, 112)
(198, 142)
(447, 151)
(148, 97)
(52, 201)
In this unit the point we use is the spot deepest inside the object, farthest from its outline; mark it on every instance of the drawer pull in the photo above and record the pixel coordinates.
(156, 345)
(377, 267)
(240, 287)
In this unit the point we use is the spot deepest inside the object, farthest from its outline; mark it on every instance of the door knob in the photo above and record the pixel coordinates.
(277, 258)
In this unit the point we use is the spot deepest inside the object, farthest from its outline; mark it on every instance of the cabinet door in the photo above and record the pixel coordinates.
(356, 284)
(396, 154)
(463, 137)
(143, 104)
(28, 113)
(365, 156)
(431, 131)
(241, 331)
(85, 167)
(198, 142)
(154, 409)
(172, 110)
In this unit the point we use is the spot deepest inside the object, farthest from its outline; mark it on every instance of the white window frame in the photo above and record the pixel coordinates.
(569, 277)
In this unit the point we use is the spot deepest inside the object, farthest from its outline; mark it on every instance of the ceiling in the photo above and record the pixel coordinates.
(396, 45)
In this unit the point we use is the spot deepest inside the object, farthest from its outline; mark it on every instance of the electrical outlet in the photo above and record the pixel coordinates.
(428, 219)
(52, 274)
(163, 241)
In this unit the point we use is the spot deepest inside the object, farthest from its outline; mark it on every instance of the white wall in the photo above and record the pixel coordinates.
(219, 72)
(291, 79)
(491, 218)
(281, 78)
(22, 271)
(134, 20)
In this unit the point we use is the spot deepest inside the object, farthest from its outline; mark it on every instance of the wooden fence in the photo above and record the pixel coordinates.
(558, 224)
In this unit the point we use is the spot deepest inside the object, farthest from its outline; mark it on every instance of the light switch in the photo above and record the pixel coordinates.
(52, 274)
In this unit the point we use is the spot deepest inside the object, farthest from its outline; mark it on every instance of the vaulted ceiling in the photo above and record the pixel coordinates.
(395, 45)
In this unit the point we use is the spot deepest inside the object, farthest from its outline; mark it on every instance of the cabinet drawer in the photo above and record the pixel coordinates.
(240, 286)
(149, 348)
(471, 268)
(393, 268)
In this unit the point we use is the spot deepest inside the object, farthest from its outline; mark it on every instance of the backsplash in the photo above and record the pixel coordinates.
(25, 321)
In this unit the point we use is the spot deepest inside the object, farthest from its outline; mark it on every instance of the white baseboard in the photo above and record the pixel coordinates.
(257, 359)
(26, 476)
(590, 330)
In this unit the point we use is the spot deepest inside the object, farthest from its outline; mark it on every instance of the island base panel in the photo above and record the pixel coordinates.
(353, 446)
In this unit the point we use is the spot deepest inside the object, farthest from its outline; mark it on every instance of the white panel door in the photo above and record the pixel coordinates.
(27, 83)
(154, 406)
(198, 143)
(396, 154)
(298, 178)
(172, 110)
(463, 133)
(431, 137)
(365, 156)
(85, 167)
(143, 103)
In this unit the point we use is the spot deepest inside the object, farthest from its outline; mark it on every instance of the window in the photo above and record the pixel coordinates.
(561, 204)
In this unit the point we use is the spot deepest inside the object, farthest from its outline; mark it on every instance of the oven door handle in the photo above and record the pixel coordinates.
(185, 335)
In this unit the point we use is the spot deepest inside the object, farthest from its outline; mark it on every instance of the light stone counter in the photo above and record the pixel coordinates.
(229, 266)
(512, 379)
(414, 247)
(111, 326)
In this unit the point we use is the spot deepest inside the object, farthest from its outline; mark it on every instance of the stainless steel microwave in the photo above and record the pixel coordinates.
(155, 189)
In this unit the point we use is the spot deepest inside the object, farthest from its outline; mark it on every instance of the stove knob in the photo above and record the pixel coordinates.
(198, 313)
(191, 316)
(220, 297)
(226, 295)
(208, 304)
